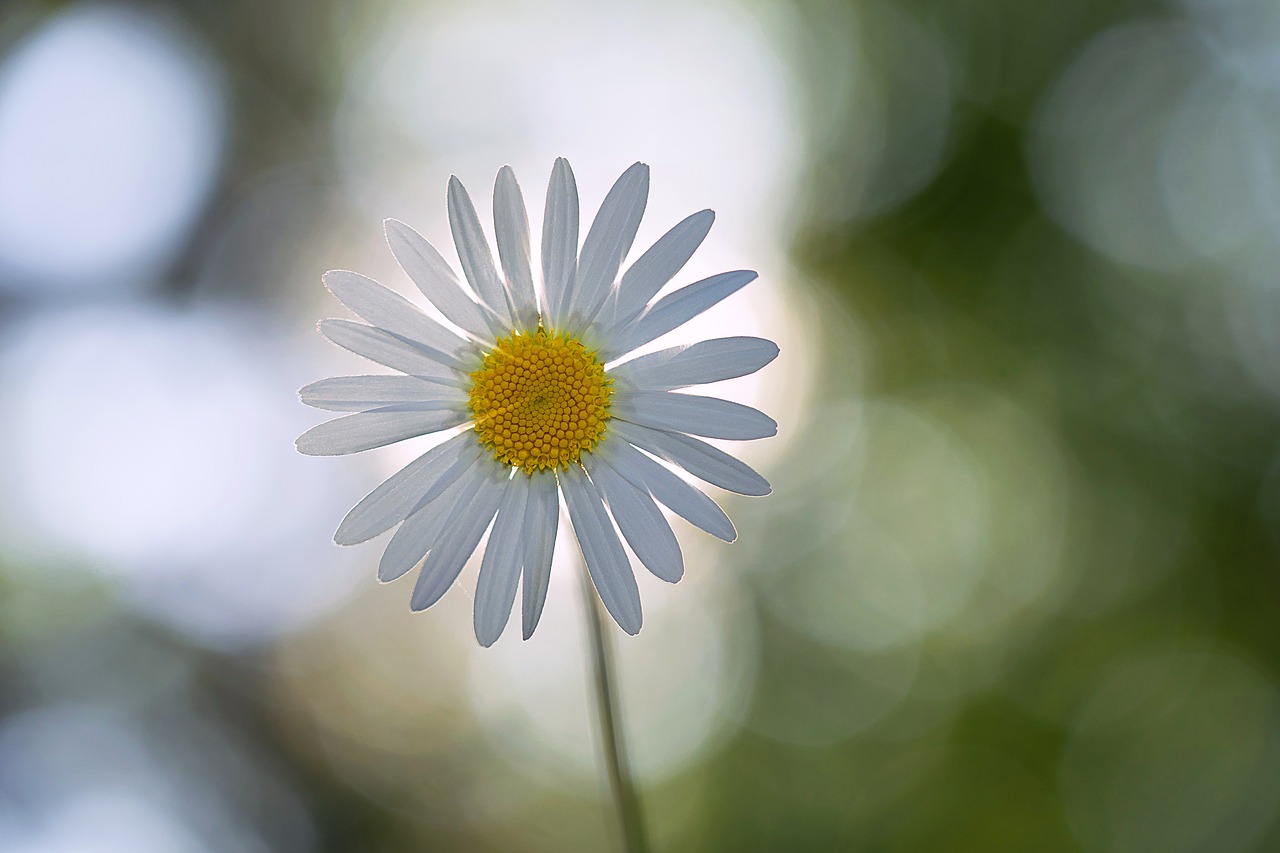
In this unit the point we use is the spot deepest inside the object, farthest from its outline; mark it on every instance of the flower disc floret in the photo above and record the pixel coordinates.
(540, 400)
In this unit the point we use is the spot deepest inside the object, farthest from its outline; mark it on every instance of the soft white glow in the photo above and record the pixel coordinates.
(680, 678)
(466, 88)
(111, 122)
(157, 446)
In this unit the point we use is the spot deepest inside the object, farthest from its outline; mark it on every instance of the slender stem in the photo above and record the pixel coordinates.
(630, 814)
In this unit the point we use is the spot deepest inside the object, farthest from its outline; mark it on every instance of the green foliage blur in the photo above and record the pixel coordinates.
(1102, 713)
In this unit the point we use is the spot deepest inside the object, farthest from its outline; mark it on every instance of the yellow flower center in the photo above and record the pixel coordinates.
(540, 400)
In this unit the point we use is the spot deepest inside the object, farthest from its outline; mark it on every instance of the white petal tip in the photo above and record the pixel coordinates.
(306, 447)
(346, 538)
(630, 621)
(387, 575)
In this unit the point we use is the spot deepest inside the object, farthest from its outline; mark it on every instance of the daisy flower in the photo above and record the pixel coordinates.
(534, 374)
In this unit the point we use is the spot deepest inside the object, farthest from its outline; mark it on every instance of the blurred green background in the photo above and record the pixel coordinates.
(1017, 587)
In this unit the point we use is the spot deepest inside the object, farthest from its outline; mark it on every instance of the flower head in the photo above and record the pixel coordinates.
(535, 377)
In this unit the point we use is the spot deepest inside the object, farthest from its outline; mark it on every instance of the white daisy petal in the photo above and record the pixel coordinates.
(474, 253)
(361, 393)
(608, 241)
(676, 309)
(407, 490)
(422, 529)
(411, 542)
(385, 348)
(706, 416)
(511, 225)
(697, 457)
(668, 489)
(640, 521)
(559, 241)
(388, 310)
(500, 568)
(463, 530)
(433, 276)
(697, 364)
(652, 270)
(367, 430)
(541, 521)
(602, 550)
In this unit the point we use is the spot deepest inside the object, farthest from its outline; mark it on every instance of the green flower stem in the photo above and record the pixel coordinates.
(630, 814)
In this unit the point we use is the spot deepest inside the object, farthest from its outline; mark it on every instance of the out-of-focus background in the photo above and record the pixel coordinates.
(1017, 587)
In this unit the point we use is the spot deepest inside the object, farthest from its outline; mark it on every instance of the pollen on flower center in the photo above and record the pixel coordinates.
(540, 400)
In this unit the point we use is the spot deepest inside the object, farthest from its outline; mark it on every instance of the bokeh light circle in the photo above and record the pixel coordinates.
(155, 446)
(112, 121)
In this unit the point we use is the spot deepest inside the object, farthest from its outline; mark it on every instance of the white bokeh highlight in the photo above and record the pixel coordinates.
(112, 122)
(154, 446)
